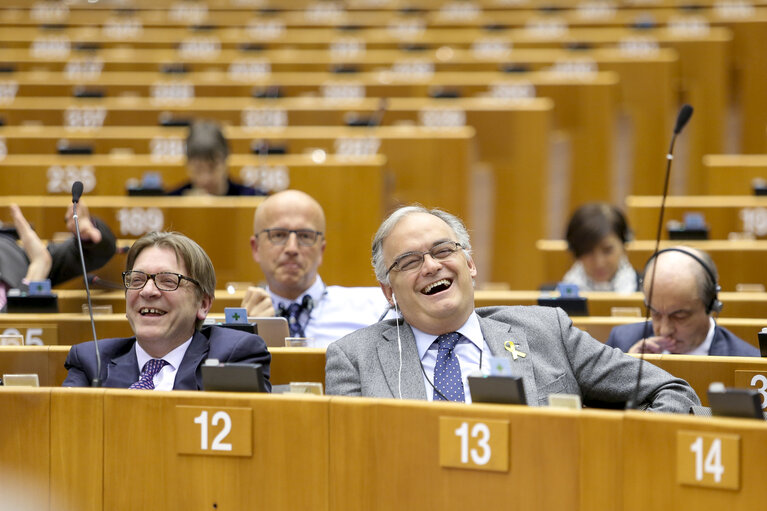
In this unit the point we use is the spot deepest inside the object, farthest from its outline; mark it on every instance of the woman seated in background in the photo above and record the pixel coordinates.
(596, 236)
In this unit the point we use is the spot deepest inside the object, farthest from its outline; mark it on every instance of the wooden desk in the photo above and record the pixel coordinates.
(723, 214)
(701, 371)
(649, 445)
(367, 458)
(209, 220)
(733, 174)
(737, 304)
(288, 364)
(646, 90)
(737, 261)
(409, 150)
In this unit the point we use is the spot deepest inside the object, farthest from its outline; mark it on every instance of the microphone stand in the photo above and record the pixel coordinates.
(684, 115)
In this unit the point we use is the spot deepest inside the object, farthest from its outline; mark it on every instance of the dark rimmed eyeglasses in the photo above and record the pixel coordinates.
(410, 261)
(280, 236)
(164, 281)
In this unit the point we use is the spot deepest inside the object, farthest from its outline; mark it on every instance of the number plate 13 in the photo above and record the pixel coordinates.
(474, 444)
(214, 431)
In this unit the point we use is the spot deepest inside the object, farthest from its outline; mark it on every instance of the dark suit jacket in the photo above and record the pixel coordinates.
(119, 365)
(65, 257)
(725, 343)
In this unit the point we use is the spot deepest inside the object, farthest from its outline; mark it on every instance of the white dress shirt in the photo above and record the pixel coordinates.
(471, 350)
(166, 377)
(337, 311)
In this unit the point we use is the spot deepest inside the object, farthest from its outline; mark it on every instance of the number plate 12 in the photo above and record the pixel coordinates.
(214, 431)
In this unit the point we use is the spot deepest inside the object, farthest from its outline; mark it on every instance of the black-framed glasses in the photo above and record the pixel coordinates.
(280, 236)
(164, 281)
(410, 261)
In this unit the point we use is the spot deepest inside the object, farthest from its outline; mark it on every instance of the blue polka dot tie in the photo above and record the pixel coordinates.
(447, 370)
(146, 380)
(295, 327)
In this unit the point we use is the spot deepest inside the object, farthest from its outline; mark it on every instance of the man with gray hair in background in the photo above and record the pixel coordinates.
(685, 288)
(422, 259)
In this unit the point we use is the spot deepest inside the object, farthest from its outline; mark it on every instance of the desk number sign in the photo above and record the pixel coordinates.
(214, 431)
(711, 460)
(474, 444)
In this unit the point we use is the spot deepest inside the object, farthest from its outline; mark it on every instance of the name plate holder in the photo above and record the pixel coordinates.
(214, 431)
(474, 444)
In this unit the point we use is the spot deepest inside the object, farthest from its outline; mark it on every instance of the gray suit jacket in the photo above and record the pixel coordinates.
(560, 359)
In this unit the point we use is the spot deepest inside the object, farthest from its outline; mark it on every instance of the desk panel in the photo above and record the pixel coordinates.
(287, 470)
(25, 448)
(650, 464)
(367, 464)
(723, 214)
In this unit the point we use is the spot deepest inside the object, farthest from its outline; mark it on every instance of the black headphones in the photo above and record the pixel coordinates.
(713, 304)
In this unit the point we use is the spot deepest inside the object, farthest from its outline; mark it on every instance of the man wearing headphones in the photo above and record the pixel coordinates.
(681, 290)
(288, 244)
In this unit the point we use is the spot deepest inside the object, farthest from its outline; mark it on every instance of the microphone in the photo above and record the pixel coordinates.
(682, 118)
(77, 192)
(681, 121)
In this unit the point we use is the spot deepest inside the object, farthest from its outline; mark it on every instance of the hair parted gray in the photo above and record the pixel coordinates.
(455, 224)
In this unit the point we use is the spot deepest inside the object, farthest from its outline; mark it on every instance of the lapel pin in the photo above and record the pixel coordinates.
(515, 353)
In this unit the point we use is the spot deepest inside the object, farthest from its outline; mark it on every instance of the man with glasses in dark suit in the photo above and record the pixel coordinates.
(288, 243)
(169, 289)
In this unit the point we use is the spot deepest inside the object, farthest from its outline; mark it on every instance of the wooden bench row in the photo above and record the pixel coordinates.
(308, 365)
(72, 328)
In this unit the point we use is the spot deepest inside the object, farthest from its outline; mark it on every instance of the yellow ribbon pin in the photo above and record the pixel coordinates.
(509, 345)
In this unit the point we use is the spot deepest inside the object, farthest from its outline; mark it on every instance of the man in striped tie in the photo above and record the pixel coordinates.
(422, 260)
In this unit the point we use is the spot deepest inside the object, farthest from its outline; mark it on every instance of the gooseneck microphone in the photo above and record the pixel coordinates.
(681, 121)
(77, 192)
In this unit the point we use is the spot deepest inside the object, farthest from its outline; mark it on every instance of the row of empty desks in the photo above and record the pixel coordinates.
(223, 226)
(734, 174)
(73, 328)
(737, 304)
(645, 99)
(434, 167)
(703, 76)
(738, 261)
(94, 449)
(724, 214)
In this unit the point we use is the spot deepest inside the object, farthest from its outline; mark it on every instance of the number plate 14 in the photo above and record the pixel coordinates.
(474, 444)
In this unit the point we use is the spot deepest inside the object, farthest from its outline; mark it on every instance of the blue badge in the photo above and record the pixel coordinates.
(500, 366)
(236, 315)
(567, 290)
(40, 287)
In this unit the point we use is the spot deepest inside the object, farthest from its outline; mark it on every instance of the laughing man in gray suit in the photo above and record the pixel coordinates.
(422, 260)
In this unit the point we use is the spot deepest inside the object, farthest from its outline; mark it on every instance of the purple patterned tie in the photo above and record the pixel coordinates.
(294, 311)
(447, 370)
(146, 380)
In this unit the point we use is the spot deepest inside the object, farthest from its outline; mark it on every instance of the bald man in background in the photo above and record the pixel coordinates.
(288, 243)
(684, 300)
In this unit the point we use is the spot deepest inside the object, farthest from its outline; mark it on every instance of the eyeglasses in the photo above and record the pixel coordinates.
(410, 261)
(164, 281)
(304, 237)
